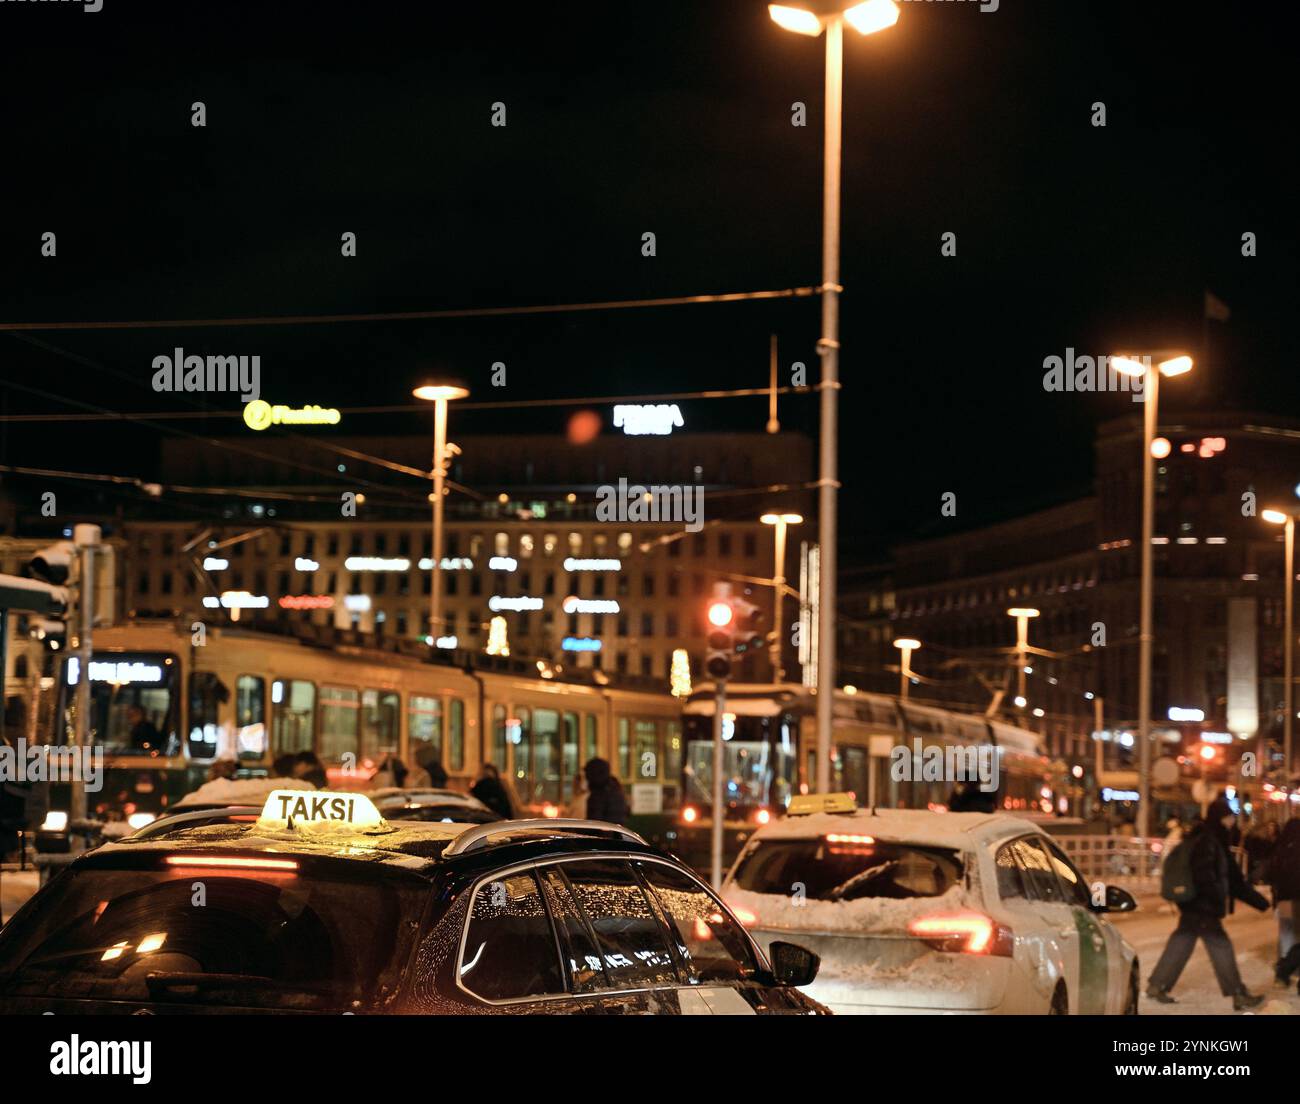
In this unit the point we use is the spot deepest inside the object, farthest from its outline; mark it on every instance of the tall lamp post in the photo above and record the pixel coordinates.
(1022, 616)
(1141, 367)
(907, 645)
(812, 18)
(1286, 518)
(440, 393)
(780, 521)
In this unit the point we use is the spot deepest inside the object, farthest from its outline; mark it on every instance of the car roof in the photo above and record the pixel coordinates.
(424, 795)
(960, 831)
(421, 847)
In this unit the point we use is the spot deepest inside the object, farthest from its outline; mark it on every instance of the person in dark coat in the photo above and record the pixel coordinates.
(1218, 882)
(967, 797)
(605, 800)
(1284, 877)
(309, 768)
(489, 790)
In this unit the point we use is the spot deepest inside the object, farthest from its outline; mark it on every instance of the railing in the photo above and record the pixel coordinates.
(1129, 861)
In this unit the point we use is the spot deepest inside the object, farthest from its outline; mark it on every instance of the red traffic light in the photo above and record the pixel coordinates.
(720, 614)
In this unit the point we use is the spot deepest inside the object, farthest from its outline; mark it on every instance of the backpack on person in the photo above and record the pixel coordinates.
(1176, 881)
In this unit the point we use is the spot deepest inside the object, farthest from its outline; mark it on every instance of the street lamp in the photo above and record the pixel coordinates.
(812, 19)
(1285, 517)
(1022, 616)
(907, 646)
(440, 393)
(780, 521)
(1176, 365)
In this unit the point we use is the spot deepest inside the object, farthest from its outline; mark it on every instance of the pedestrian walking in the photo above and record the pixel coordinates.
(605, 800)
(1202, 879)
(1284, 878)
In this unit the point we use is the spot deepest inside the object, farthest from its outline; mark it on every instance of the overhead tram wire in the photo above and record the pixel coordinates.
(418, 316)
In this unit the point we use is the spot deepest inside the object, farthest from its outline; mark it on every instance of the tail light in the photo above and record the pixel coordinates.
(233, 862)
(690, 814)
(964, 933)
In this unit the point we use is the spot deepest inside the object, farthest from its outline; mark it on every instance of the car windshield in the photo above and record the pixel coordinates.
(848, 870)
(284, 939)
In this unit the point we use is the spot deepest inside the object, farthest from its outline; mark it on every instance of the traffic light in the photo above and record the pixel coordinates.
(55, 565)
(721, 630)
(747, 628)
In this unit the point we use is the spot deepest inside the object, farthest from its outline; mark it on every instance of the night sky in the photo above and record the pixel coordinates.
(672, 118)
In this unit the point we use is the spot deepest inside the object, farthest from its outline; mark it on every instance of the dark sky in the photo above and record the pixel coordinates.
(672, 118)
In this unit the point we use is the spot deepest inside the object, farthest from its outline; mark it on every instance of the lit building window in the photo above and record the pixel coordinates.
(526, 545)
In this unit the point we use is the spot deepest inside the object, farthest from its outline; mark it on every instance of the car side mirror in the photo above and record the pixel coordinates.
(792, 964)
(1118, 900)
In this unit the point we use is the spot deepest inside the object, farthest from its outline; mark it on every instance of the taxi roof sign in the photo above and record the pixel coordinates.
(808, 804)
(302, 808)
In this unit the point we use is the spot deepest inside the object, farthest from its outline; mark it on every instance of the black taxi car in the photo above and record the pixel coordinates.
(317, 904)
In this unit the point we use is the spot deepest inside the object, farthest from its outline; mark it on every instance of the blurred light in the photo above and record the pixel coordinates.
(55, 821)
(1128, 365)
(850, 690)
(798, 20)
(1020, 611)
(432, 392)
(872, 16)
(1020, 702)
(1274, 517)
(907, 644)
(690, 814)
(1160, 448)
(151, 942)
(720, 614)
(789, 519)
(1176, 367)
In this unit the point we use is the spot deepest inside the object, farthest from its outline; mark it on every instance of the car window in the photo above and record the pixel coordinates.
(1072, 882)
(509, 949)
(845, 867)
(577, 944)
(712, 946)
(1040, 880)
(1011, 881)
(630, 940)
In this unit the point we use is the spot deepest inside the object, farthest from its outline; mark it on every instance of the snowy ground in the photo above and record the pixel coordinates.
(1253, 934)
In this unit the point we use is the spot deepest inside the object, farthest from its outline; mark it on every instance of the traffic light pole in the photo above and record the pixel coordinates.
(719, 813)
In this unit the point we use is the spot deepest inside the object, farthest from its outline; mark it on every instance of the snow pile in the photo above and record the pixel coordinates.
(866, 915)
(239, 791)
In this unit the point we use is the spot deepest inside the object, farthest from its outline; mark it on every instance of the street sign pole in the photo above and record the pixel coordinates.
(719, 812)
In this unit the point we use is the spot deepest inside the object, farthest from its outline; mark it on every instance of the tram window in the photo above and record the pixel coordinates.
(338, 722)
(207, 693)
(592, 741)
(855, 767)
(294, 719)
(500, 737)
(646, 766)
(543, 781)
(456, 741)
(380, 711)
(424, 726)
(672, 763)
(569, 764)
(250, 717)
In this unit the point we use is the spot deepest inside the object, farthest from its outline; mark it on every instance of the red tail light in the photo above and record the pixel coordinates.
(964, 933)
(231, 862)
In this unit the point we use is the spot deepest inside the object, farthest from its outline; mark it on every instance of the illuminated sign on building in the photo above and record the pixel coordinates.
(590, 605)
(1178, 713)
(303, 563)
(215, 563)
(260, 414)
(307, 601)
(640, 420)
(572, 564)
(377, 563)
(237, 599)
(581, 644)
(449, 563)
(357, 603)
(502, 563)
(524, 602)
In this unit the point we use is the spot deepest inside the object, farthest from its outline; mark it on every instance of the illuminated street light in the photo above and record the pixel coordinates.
(1022, 614)
(811, 19)
(1285, 517)
(440, 393)
(1176, 365)
(779, 521)
(907, 645)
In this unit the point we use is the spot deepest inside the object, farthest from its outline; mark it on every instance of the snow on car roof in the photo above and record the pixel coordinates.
(238, 791)
(955, 830)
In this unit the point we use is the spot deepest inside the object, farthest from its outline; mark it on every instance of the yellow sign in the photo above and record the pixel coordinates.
(299, 808)
(260, 414)
(807, 804)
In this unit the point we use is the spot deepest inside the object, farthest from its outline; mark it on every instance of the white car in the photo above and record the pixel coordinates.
(921, 912)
